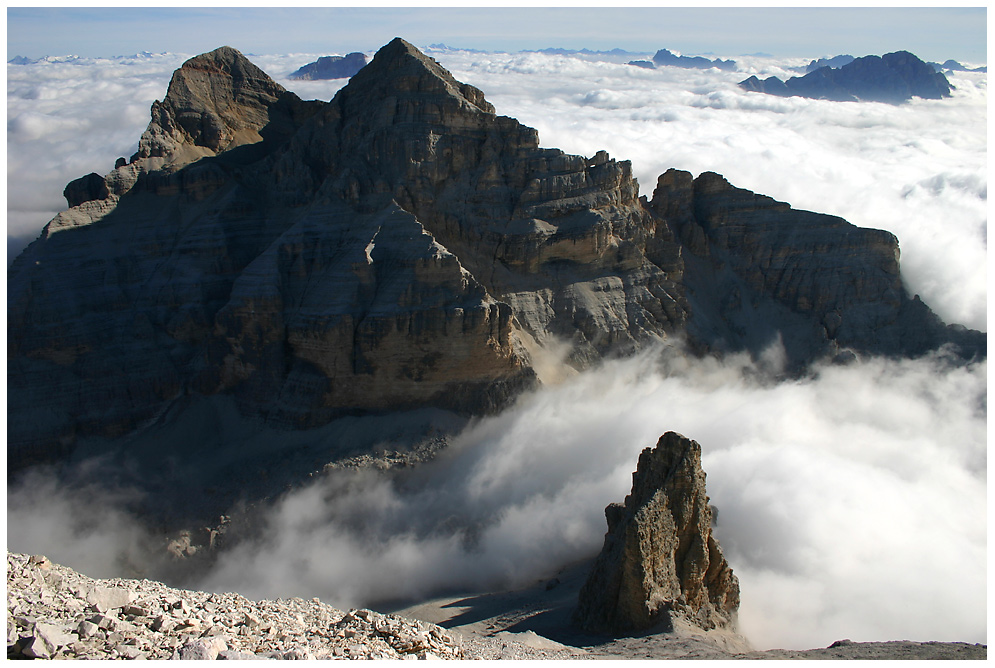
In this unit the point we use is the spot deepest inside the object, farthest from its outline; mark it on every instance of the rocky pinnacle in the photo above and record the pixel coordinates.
(660, 558)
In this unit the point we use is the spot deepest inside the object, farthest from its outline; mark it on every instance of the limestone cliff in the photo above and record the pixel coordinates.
(660, 558)
(400, 246)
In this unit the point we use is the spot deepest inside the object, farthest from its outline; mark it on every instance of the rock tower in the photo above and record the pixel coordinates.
(660, 558)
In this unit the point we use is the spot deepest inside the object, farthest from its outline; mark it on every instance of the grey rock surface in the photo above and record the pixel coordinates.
(48, 606)
(660, 560)
(538, 615)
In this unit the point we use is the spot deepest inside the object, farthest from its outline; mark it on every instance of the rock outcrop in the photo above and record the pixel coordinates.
(893, 78)
(660, 558)
(399, 247)
(331, 67)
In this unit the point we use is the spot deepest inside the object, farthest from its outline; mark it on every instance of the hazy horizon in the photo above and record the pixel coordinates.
(931, 33)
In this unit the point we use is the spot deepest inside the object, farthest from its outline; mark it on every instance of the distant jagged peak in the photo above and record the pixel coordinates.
(331, 67)
(400, 67)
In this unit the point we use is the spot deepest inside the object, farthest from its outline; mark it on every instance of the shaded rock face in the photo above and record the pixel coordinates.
(829, 285)
(401, 246)
(893, 78)
(331, 67)
(660, 558)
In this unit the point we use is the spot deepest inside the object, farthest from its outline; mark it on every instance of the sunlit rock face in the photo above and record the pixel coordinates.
(659, 557)
(401, 246)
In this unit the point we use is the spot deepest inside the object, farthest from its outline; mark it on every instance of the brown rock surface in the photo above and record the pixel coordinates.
(660, 558)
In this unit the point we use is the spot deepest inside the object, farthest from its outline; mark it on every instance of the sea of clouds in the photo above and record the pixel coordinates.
(852, 500)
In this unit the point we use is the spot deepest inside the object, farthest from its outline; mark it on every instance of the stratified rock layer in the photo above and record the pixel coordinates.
(399, 247)
(660, 558)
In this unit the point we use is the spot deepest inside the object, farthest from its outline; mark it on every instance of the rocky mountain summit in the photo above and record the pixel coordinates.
(399, 248)
(893, 78)
(331, 67)
(660, 558)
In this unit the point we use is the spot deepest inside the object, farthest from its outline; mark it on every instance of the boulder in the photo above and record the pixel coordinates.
(108, 598)
(660, 558)
(85, 189)
(46, 640)
(202, 649)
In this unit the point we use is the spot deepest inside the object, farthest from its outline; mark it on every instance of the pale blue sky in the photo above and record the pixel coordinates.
(931, 33)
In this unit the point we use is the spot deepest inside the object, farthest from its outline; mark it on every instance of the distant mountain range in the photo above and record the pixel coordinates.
(893, 78)
(23, 60)
(846, 59)
(666, 58)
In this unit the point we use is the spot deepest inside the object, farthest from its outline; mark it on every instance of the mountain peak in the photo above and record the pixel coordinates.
(400, 67)
(215, 101)
(224, 60)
